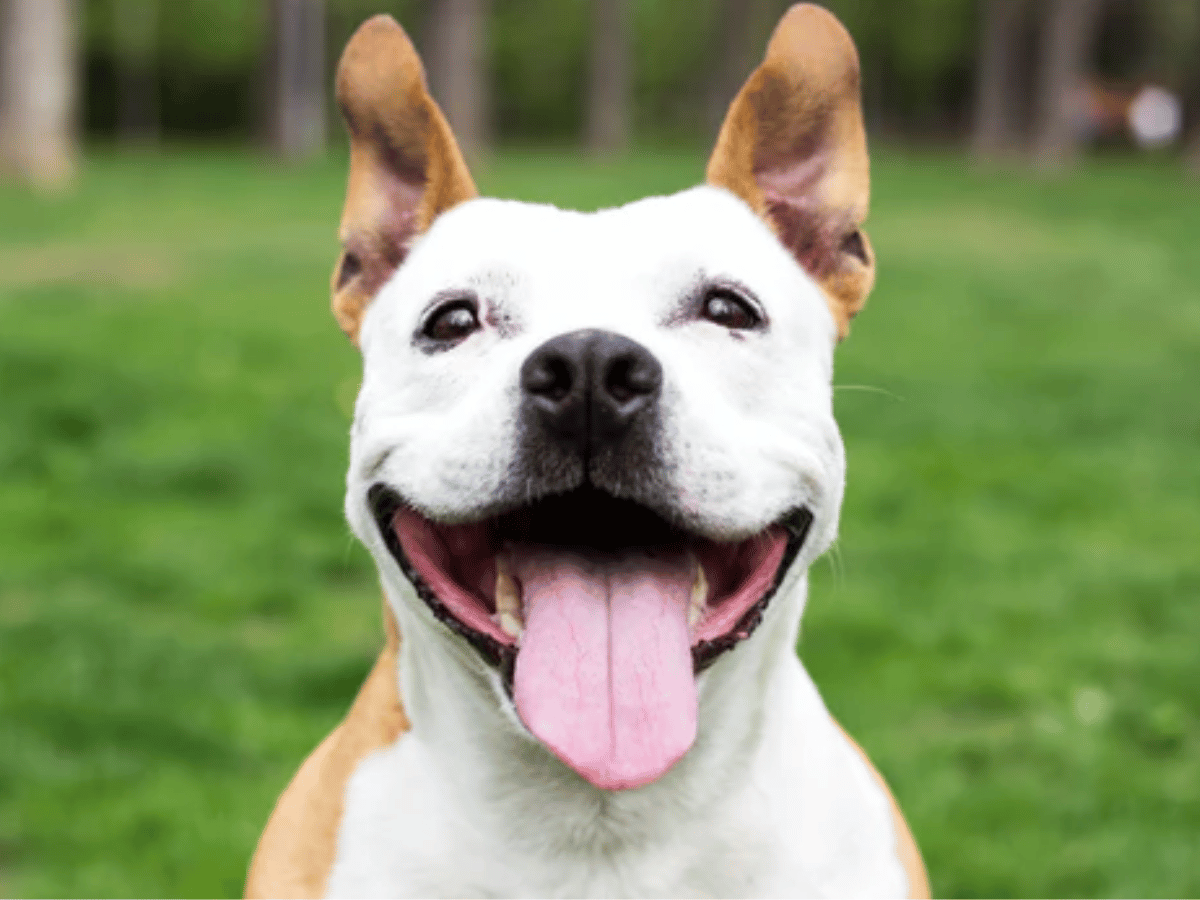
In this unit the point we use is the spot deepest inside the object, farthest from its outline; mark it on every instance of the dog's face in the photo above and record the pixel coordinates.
(735, 432)
(595, 443)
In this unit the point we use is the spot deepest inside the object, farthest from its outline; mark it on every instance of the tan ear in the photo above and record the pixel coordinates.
(794, 148)
(405, 166)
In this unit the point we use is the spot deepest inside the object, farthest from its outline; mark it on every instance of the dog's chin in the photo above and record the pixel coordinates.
(597, 612)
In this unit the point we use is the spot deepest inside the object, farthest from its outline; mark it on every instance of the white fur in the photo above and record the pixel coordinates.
(772, 800)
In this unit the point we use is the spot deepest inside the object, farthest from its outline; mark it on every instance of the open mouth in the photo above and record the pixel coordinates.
(598, 614)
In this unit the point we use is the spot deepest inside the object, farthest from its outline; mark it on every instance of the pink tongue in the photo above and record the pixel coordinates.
(604, 674)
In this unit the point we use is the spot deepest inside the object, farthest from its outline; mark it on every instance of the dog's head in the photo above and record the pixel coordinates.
(595, 444)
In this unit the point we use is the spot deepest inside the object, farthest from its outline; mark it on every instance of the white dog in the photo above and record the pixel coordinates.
(594, 456)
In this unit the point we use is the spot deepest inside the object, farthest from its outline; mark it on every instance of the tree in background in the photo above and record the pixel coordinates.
(1179, 32)
(738, 44)
(918, 58)
(608, 118)
(1068, 34)
(456, 64)
(995, 131)
(552, 70)
(1193, 145)
(297, 80)
(38, 49)
(135, 35)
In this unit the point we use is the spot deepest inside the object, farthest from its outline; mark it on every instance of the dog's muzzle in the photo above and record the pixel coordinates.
(596, 606)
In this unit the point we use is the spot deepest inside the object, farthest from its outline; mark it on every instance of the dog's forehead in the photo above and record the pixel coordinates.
(704, 214)
(650, 248)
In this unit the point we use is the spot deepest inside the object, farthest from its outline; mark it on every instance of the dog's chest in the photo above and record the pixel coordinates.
(402, 836)
(810, 822)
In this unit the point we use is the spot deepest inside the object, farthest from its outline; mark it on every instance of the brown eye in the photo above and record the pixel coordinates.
(727, 309)
(452, 321)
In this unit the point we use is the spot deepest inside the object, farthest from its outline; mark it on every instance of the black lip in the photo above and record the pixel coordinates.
(797, 523)
(645, 528)
(384, 503)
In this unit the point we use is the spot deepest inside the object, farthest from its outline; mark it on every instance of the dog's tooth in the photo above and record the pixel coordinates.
(699, 596)
(699, 587)
(510, 624)
(508, 599)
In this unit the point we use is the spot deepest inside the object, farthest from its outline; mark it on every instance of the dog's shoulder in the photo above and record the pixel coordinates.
(907, 851)
(835, 809)
(297, 849)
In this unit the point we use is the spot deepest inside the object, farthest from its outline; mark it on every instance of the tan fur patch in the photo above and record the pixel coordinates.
(297, 849)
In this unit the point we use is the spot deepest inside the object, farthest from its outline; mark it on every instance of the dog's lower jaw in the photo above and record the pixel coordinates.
(468, 803)
(456, 701)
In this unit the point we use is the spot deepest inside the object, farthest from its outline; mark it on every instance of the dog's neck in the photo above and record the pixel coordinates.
(492, 766)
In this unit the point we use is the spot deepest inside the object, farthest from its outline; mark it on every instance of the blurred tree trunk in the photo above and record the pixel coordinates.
(736, 49)
(608, 78)
(1191, 150)
(38, 71)
(1192, 105)
(1068, 33)
(297, 78)
(994, 131)
(456, 60)
(135, 26)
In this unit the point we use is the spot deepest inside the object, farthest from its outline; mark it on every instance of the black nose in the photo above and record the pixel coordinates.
(589, 387)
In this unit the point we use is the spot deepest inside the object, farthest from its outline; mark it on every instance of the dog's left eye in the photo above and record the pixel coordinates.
(725, 308)
(451, 321)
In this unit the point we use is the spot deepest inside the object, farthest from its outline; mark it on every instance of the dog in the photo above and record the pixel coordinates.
(593, 457)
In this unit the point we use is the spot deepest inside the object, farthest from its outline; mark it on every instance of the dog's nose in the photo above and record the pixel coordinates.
(588, 387)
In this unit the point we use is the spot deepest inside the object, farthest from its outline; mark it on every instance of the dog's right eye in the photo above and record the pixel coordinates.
(451, 321)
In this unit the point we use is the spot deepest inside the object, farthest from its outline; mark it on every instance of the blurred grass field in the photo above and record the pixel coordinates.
(1009, 622)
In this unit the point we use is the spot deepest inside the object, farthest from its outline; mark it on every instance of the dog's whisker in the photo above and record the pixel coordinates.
(836, 562)
(870, 389)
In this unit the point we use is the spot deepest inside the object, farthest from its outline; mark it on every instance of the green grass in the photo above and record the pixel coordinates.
(1008, 624)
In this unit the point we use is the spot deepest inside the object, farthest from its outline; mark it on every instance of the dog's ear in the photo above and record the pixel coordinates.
(405, 166)
(794, 148)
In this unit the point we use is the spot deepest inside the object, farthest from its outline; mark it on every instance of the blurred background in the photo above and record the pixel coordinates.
(1002, 77)
(1008, 623)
